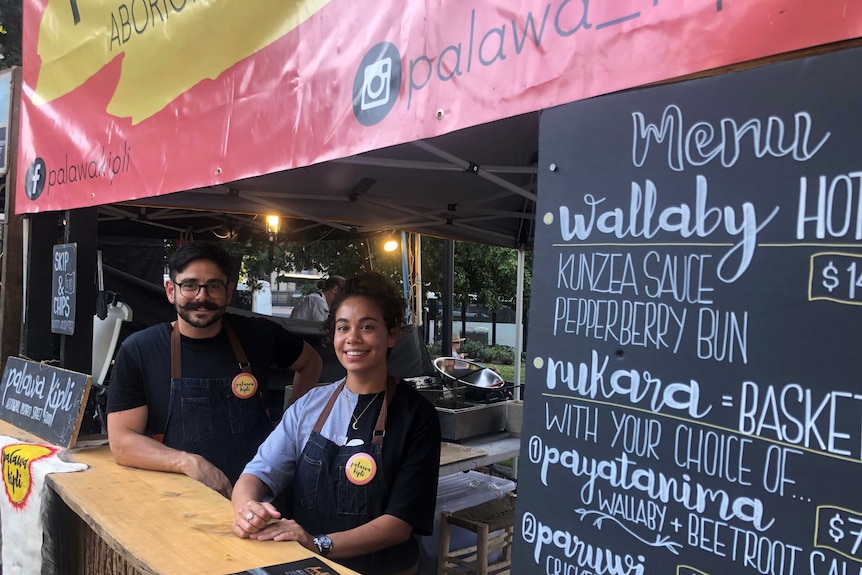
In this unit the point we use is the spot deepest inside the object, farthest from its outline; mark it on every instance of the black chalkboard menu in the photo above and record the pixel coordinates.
(47, 401)
(64, 265)
(694, 389)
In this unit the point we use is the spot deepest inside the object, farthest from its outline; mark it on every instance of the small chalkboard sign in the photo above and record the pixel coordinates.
(43, 400)
(64, 264)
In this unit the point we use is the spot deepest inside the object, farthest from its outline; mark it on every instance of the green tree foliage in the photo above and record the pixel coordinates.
(10, 33)
(345, 257)
(329, 257)
(486, 275)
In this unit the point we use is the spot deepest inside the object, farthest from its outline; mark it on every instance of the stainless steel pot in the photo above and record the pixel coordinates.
(467, 372)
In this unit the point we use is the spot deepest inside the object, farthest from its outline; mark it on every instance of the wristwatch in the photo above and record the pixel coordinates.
(323, 544)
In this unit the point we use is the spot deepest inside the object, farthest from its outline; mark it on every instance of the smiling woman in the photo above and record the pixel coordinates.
(372, 526)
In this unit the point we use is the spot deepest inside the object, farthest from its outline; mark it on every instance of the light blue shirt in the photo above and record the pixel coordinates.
(275, 462)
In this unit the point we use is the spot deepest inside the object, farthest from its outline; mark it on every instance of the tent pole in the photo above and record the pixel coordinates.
(418, 292)
(448, 289)
(519, 319)
(405, 277)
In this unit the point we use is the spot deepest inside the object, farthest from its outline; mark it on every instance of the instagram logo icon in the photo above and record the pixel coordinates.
(375, 87)
(376, 84)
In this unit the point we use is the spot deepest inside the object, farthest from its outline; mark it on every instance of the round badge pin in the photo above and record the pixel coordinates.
(360, 469)
(244, 385)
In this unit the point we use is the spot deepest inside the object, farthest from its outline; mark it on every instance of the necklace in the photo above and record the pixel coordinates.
(356, 419)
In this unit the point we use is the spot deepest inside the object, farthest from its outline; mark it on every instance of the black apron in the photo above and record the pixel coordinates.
(206, 418)
(325, 501)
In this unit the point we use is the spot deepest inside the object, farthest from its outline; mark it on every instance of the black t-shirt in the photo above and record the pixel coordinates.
(142, 369)
(411, 465)
(411, 453)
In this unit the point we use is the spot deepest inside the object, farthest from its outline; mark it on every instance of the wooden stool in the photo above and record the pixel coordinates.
(483, 519)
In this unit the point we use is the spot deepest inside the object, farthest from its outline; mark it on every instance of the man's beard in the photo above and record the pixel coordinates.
(185, 312)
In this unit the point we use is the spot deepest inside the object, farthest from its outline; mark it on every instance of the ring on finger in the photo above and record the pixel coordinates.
(250, 516)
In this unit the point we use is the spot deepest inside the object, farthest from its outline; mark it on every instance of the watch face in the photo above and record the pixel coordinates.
(323, 544)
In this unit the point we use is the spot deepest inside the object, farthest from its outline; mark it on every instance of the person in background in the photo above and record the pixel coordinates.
(456, 347)
(190, 396)
(356, 499)
(315, 306)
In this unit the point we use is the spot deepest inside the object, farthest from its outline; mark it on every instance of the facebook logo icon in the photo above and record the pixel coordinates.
(34, 180)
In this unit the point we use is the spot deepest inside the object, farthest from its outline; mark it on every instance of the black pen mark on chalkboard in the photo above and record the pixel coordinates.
(659, 540)
(726, 401)
(617, 21)
(705, 424)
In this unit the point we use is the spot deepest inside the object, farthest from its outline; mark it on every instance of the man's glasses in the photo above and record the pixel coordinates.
(191, 288)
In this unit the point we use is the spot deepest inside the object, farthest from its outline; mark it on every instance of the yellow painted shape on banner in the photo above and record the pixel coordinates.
(167, 46)
(16, 469)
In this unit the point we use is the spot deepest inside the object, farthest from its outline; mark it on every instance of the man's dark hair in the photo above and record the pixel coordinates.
(195, 251)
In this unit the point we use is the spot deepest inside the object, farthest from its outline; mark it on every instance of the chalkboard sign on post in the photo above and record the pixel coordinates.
(46, 401)
(694, 402)
(65, 263)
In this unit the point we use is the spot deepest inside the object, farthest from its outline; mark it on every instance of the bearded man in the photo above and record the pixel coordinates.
(189, 396)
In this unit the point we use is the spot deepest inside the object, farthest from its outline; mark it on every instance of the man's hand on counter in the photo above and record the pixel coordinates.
(131, 447)
(199, 469)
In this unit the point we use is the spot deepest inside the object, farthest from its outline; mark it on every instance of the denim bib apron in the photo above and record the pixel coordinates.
(206, 418)
(326, 501)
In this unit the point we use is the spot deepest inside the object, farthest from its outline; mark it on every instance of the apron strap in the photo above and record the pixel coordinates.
(328, 409)
(380, 428)
(238, 352)
(176, 363)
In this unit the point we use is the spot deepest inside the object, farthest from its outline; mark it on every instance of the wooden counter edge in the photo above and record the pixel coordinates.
(141, 563)
(128, 556)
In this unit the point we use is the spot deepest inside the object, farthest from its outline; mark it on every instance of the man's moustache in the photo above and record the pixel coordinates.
(201, 305)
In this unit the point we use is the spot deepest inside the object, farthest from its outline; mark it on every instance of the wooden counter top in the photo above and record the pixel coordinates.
(162, 523)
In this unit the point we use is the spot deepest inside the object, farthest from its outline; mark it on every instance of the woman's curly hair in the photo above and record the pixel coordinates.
(377, 288)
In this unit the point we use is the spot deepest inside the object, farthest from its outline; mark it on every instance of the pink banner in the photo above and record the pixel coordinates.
(127, 99)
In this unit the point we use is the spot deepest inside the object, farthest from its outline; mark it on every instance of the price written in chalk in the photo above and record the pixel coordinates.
(837, 530)
(840, 530)
(836, 277)
(831, 279)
